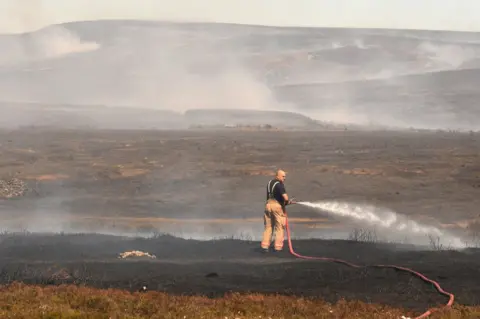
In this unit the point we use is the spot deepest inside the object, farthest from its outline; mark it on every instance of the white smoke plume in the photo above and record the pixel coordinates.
(52, 42)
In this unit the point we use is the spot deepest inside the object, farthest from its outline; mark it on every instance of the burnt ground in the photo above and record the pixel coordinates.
(207, 184)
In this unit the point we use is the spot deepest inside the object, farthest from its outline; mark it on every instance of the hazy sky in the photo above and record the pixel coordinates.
(25, 15)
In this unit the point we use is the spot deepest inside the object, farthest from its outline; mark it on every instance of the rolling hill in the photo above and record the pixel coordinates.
(424, 79)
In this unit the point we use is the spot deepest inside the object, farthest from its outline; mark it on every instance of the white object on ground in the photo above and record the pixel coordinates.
(135, 253)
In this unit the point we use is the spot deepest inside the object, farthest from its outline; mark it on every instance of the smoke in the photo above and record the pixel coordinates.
(52, 42)
(347, 77)
(397, 83)
(192, 81)
(446, 56)
(175, 69)
(140, 68)
(57, 41)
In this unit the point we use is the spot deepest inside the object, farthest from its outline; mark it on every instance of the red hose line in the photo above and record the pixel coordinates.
(423, 277)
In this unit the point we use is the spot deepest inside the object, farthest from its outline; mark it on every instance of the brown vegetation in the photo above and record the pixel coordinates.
(68, 301)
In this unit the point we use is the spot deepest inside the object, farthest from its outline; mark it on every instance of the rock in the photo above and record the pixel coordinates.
(13, 187)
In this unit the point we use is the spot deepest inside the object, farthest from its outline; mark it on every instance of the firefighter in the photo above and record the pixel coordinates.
(275, 213)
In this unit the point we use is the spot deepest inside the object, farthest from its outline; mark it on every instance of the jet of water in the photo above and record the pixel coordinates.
(382, 217)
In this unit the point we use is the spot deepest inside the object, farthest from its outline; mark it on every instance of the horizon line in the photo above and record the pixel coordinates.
(272, 26)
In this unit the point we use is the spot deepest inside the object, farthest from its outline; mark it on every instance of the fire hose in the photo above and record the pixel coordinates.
(423, 277)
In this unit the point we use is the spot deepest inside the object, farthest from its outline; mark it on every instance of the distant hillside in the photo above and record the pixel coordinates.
(247, 117)
(16, 115)
(100, 117)
(392, 77)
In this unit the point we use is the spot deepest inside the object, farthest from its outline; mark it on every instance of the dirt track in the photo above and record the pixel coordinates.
(112, 177)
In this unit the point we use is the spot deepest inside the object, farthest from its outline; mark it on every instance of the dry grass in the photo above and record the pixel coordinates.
(23, 301)
(47, 177)
(363, 235)
(379, 170)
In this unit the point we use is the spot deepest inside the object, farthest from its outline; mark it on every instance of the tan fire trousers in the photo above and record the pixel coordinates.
(274, 219)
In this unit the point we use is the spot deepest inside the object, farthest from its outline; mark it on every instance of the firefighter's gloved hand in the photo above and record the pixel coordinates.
(291, 201)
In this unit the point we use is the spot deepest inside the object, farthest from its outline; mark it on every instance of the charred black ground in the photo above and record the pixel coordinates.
(216, 267)
(122, 180)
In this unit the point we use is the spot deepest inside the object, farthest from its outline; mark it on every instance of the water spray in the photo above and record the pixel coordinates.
(385, 218)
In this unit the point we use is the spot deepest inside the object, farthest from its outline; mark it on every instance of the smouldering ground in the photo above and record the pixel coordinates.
(77, 175)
